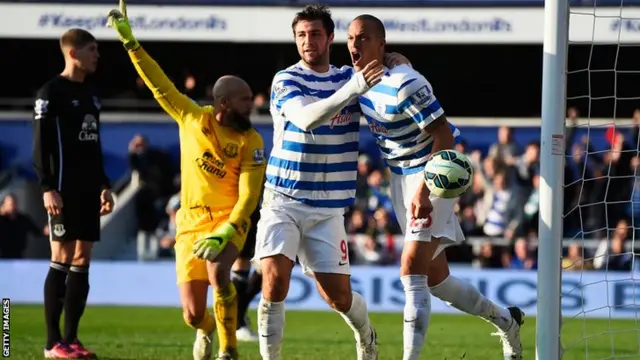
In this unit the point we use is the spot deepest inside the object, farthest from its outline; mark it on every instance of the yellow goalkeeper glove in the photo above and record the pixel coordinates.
(118, 20)
(210, 247)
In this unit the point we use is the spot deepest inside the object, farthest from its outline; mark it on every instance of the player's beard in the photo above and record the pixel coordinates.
(321, 59)
(237, 121)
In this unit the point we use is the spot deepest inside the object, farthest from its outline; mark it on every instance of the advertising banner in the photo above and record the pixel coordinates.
(589, 294)
(271, 24)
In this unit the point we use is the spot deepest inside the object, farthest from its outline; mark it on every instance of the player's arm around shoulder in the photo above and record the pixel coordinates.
(177, 105)
(252, 169)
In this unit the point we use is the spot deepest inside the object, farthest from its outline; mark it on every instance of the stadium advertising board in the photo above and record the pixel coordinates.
(255, 24)
(590, 294)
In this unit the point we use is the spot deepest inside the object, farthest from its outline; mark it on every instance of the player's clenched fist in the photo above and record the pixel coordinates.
(365, 79)
(118, 20)
(210, 247)
(373, 73)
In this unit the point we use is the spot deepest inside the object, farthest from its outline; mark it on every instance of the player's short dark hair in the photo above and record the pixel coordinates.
(315, 12)
(76, 38)
(377, 24)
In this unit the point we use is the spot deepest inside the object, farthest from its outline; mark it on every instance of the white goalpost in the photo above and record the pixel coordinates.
(552, 144)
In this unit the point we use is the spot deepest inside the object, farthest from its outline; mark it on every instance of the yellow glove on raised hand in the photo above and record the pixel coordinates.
(210, 247)
(118, 20)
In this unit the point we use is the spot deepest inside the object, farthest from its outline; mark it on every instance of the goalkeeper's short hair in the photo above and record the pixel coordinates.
(76, 39)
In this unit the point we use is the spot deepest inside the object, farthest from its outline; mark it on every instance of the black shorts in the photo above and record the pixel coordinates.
(79, 220)
(249, 248)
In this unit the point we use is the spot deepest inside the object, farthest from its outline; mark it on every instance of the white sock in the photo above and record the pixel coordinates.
(358, 319)
(270, 329)
(465, 297)
(417, 310)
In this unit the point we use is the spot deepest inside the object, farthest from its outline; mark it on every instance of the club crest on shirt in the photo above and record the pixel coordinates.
(231, 150)
(258, 156)
(40, 108)
(278, 91)
(421, 97)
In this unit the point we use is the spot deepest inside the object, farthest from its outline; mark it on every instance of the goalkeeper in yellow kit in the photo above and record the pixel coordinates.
(222, 161)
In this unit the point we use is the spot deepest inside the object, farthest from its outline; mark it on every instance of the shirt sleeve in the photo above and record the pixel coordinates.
(45, 139)
(252, 168)
(288, 99)
(179, 106)
(417, 101)
(287, 94)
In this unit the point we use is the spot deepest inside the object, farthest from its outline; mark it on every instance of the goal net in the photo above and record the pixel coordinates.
(595, 150)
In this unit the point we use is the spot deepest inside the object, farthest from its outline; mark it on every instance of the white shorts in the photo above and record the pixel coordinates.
(315, 235)
(443, 222)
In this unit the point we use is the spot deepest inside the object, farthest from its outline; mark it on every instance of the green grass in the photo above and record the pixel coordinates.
(158, 333)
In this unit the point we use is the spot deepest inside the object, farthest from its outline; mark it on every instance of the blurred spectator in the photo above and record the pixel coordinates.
(470, 204)
(384, 224)
(505, 151)
(522, 258)
(260, 104)
(167, 234)
(156, 174)
(618, 236)
(379, 193)
(527, 165)
(370, 252)
(488, 257)
(15, 228)
(501, 206)
(619, 185)
(365, 166)
(574, 261)
(527, 220)
(357, 222)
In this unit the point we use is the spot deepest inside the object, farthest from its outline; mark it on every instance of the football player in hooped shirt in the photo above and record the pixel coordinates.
(409, 125)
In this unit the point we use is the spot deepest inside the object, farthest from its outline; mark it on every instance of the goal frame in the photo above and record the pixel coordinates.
(552, 158)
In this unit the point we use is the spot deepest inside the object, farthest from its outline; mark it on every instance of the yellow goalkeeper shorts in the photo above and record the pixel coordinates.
(194, 225)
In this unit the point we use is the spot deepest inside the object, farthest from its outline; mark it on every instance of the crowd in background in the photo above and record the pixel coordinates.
(502, 203)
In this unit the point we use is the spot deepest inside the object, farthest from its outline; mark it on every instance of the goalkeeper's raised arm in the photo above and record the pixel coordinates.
(222, 169)
(176, 104)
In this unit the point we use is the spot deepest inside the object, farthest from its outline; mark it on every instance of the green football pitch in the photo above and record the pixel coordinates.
(139, 333)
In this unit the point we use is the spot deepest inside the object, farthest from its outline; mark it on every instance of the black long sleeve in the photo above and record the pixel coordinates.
(45, 140)
(67, 151)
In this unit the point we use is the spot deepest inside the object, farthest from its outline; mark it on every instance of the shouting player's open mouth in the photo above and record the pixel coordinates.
(355, 58)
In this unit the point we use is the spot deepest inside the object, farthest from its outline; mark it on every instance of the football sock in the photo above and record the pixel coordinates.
(207, 324)
(270, 328)
(465, 297)
(54, 293)
(358, 319)
(225, 308)
(417, 310)
(240, 280)
(75, 300)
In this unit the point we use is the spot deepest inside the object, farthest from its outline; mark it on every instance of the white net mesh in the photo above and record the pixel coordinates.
(602, 193)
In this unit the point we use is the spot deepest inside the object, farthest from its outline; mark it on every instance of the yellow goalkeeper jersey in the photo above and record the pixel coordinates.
(221, 169)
